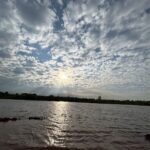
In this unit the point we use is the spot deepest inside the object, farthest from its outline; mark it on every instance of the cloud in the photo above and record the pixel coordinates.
(4, 54)
(105, 43)
(34, 13)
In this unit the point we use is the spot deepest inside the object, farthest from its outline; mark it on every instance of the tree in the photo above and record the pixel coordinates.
(6, 93)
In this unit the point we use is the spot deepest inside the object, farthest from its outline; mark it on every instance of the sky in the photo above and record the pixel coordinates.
(82, 48)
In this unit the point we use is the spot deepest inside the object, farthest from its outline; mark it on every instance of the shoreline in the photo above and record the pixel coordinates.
(103, 101)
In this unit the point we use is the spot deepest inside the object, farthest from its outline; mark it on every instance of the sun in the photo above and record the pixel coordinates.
(64, 77)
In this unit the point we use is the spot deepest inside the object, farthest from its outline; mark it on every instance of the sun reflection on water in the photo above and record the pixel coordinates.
(58, 123)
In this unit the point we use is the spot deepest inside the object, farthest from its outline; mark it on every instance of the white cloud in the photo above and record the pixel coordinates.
(106, 43)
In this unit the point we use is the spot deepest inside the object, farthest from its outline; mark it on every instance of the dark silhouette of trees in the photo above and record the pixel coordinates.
(32, 96)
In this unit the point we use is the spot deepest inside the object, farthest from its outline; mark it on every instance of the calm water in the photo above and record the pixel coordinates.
(74, 125)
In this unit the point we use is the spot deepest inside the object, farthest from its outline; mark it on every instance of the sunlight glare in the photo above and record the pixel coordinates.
(64, 77)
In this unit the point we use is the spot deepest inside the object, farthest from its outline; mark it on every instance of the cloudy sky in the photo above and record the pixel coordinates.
(79, 48)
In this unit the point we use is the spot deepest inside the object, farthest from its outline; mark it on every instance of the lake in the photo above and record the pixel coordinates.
(73, 125)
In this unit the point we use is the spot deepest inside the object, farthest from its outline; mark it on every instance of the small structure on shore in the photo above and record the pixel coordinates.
(99, 98)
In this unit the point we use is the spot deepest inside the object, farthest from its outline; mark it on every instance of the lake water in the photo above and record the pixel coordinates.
(74, 125)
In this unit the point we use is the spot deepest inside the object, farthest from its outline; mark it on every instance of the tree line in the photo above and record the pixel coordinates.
(32, 96)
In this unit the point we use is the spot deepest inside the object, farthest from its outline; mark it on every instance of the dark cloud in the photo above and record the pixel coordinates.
(6, 38)
(4, 54)
(5, 10)
(18, 70)
(147, 10)
(33, 12)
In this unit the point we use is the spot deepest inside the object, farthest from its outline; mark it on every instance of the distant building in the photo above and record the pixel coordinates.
(99, 98)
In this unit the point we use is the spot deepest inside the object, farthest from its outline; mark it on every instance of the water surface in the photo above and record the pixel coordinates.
(74, 125)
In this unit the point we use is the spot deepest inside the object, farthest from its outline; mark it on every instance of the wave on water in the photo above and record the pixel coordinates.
(57, 148)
